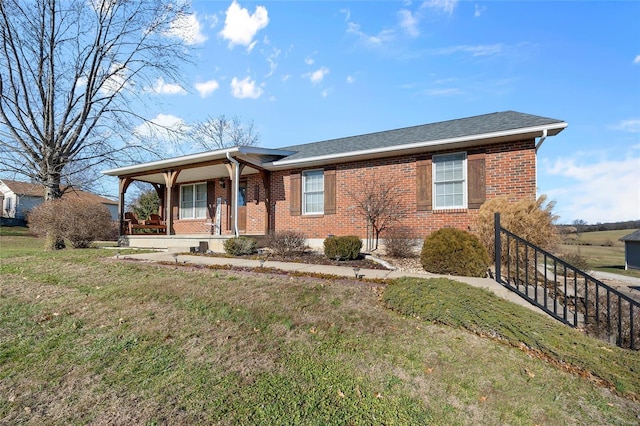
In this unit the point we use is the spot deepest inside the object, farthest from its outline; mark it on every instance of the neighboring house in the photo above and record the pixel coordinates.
(18, 198)
(631, 250)
(446, 170)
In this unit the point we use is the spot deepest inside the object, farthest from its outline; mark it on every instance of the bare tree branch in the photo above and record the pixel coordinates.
(377, 200)
(222, 132)
(69, 72)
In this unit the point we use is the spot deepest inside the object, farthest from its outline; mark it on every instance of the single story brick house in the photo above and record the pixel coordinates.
(18, 198)
(446, 170)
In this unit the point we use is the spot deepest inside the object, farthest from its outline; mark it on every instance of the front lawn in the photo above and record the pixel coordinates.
(88, 339)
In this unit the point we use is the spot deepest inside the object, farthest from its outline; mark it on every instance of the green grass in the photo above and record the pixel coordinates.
(85, 338)
(603, 250)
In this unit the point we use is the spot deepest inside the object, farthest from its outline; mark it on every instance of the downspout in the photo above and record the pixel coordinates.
(538, 145)
(234, 197)
(542, 138)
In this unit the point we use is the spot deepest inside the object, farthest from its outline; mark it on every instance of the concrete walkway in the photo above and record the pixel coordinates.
(343, 271)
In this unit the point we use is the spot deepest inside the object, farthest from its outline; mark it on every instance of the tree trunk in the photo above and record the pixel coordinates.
(52, 191)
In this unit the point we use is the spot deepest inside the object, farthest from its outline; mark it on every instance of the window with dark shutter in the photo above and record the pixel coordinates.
(329, 192)
(476, 180)
(423, 185)
(295, 206)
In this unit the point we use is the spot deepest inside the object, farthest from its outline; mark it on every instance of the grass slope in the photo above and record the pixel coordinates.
(85, 339)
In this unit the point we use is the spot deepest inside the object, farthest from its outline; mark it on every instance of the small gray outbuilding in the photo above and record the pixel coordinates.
(632, 250)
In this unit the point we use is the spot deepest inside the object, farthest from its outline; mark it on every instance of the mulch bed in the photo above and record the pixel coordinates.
(308, 258)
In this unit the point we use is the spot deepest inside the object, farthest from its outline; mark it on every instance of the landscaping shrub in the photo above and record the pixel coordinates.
(452, 251)
(576, 260)
(239, 246)
(399, 244)
(528, 219)
(75, 219)
(342, 248)
(287, 242)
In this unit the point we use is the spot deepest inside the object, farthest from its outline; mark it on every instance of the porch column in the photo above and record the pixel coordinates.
(170, 178)
(266, 182)
(123, 185)
(234, 169)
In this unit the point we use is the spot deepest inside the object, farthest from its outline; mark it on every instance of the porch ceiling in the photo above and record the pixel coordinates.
(194, 174)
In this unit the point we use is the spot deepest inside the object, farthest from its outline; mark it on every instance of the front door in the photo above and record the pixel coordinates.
(242, 206)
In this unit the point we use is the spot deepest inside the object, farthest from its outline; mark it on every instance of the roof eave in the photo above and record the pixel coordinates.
(441, 144)
(195, 158)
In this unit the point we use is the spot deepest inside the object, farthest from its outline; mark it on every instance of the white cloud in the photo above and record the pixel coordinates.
(116, 81)
(309, 61)
(632, 126)
(162, 133)
(187, 28)
(636, 60)
(479, 11)
(163, 88)
(479, 50)
(408, 22)
(601, 191)
(206, 88)
(444, 92)
(351, 79)
(272, 61)
(446, 6)
(318, 75)
(246, 88)
(381, 38)
(240, 27)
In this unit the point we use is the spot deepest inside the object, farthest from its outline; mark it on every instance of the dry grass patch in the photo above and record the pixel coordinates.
(147, 344)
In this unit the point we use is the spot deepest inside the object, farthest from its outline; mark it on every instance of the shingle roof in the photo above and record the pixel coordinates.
(24, 188)
(36, 190)
(478, 125)
(634, 236)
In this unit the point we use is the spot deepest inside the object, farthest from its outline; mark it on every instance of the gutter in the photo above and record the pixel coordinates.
(234, 196)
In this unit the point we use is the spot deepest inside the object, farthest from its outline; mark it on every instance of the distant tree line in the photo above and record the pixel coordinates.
(582, 226)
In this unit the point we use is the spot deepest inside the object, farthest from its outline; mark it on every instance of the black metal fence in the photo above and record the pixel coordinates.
(565, 292)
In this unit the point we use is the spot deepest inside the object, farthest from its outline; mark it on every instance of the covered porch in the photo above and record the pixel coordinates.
(205, 197)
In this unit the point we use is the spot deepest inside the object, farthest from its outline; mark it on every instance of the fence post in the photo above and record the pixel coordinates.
(497, 247)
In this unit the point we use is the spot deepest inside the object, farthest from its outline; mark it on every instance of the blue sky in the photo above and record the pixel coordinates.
(306, 71)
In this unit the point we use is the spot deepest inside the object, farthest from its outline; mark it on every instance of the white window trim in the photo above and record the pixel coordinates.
(193, 206)
(465, 185)
(303, 192)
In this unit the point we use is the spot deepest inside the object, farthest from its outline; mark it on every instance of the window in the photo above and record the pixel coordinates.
(313, 192)
(449, 181)
(193, 201)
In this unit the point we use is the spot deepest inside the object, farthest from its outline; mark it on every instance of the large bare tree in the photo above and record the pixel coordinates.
(71, 75)
(223, 132)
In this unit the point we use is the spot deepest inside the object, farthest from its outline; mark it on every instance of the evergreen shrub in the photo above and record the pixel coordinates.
(456, 252)
(342, 248)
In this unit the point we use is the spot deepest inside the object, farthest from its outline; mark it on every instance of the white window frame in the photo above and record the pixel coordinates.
(439, 159)
(305, 174)
(193, 208)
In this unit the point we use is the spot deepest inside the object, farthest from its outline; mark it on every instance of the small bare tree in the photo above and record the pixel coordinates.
(222, 132)
(378, 202)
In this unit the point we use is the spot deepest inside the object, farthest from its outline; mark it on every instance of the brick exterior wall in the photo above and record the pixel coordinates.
(510, 168)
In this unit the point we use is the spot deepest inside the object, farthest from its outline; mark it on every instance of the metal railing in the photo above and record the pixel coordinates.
(565, 292)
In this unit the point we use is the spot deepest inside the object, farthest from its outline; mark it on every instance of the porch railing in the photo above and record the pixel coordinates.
(563, 291)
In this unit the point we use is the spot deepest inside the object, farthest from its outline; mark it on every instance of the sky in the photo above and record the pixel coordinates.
(307, 71)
